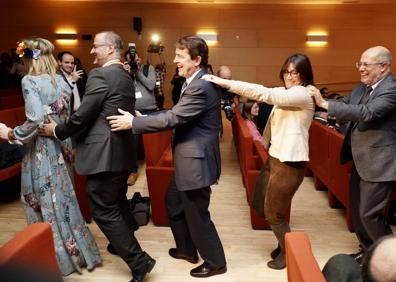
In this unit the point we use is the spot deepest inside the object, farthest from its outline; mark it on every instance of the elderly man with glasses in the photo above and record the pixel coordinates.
(370, 142)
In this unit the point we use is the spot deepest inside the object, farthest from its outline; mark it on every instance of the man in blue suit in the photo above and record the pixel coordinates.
(196, 120)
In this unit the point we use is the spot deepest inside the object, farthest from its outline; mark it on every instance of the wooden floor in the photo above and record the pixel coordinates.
(247, 250)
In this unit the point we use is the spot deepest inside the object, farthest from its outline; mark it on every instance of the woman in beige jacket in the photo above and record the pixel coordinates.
(285, 138)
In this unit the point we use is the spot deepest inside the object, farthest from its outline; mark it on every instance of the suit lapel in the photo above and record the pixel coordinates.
(200, 73)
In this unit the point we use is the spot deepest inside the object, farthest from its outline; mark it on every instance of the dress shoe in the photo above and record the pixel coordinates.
(358, 257)
(132, 178)
(139, 277)
(177, 254)
(110, 248)
(205, 270)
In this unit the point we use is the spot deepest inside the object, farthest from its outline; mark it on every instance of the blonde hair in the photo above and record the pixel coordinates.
(45, 63)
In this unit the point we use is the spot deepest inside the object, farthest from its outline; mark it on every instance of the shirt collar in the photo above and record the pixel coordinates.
(112, 62)
(188, 80)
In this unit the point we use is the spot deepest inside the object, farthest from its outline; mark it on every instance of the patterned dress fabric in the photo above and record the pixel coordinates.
(47, 181)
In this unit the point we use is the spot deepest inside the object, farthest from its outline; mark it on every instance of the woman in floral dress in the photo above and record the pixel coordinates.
(46, 187)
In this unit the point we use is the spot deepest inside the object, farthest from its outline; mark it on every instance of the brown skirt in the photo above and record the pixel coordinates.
(275, 187)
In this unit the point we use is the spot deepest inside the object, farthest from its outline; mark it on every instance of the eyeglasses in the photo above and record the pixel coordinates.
(366, 65)
(96, 46)
(292, 73)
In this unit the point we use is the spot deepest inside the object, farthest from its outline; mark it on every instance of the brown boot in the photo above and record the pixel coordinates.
(279, 230)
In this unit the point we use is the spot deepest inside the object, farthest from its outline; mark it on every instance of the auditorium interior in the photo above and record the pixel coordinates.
(252, 38)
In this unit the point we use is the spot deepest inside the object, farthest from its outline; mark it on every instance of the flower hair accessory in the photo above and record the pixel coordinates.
(22, 50)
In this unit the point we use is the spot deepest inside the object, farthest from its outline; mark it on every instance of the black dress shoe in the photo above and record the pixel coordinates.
(177, 254)
(111, 249)
(205, 270)
(358, 257)
(139, 276)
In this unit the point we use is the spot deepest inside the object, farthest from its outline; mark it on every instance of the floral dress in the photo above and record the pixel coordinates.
(46, 185)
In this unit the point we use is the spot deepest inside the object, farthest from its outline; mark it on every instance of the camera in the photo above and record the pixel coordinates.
(156, 48)
(226, 103)
(227, 108)
(132, 56)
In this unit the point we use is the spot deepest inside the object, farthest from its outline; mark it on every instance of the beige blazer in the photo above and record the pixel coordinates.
(288, 124)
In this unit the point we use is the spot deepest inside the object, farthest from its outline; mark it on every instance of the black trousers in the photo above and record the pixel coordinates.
(368, 201)
(190, 222)
(110, 210)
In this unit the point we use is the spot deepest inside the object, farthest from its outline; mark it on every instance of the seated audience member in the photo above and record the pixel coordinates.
(10, 154)
(250, 113)
(380, 260)
(342, 268)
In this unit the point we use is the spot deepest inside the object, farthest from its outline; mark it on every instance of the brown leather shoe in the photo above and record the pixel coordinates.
(132, 178)
(177, 254)
(205, 270)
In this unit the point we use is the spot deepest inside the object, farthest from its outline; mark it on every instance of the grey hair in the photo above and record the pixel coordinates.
(114, 39)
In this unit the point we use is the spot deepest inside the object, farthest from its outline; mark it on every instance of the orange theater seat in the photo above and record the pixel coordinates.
(32, 248)
(159, 171)
(300, 261)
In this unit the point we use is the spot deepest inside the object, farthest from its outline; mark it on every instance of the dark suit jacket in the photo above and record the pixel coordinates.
(196, 122)
(98, 148)
(372, 130)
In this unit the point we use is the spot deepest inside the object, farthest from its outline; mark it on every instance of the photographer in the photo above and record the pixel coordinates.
(144, 78)
(227, 103)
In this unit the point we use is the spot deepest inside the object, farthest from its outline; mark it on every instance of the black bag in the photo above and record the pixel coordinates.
(140, 208)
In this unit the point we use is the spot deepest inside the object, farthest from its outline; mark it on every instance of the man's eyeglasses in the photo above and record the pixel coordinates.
(96, 46)
(292, 73)
(366, 65)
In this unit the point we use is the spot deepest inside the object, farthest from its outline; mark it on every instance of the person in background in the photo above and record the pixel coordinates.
(73, 78)
(285, 138)
(144, 78)
(370, 142)
(380, 260)
(177, 82)
(250, 113)
(160, 73)
(46, 180)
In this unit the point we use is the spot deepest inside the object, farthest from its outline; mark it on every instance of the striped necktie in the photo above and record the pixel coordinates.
(366, 95)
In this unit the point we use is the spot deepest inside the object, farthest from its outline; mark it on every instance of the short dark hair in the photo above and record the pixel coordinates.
(196, 46)
(303, 67)
(61, 54)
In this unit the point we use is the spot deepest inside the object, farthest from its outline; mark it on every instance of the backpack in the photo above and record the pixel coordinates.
(140, 208)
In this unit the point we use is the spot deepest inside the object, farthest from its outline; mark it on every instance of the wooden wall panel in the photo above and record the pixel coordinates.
(254, 40)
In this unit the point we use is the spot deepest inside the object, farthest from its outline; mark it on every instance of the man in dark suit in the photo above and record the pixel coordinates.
(76, 79)
(370, 141)
(106, 156)
(196, 122)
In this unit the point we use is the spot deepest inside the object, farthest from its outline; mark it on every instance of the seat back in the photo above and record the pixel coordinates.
(300, 261)
(33, 247)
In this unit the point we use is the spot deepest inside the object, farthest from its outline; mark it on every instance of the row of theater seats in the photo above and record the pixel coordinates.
(324, 153)
(11, 117)
(10, 98)
(251, 156)
(32, 251)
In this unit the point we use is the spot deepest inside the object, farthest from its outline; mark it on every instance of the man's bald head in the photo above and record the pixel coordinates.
(224, 72)
(380, 261)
